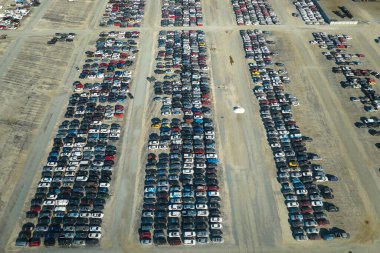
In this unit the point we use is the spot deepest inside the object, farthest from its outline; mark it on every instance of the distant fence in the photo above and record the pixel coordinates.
(354, 22)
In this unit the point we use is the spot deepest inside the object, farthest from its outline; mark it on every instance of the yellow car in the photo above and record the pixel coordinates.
(372, 82)
(293, 164)
(202, 43)
(156, 126)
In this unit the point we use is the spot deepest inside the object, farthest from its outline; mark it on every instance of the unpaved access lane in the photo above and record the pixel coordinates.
(249, 168)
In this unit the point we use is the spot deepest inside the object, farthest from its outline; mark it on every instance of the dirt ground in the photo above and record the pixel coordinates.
(34, 87)
(65, 14)
(27, 87)
(4, 43)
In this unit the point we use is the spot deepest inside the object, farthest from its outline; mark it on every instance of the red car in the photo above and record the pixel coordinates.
(35, 208)
(199, 151)
(323, 222)
(35, 242)
(110, 158)
(307, 209)
(305, 203)
(145, 235)
(213, 188)
(201, 188)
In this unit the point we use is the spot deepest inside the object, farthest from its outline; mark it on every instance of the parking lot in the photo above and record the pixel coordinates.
(123, 13)
(309, 12)
(300, 172)
(76, 179)
(255, 217)
(181, 13)
(346, 113)
(251, 12)
(181, 187)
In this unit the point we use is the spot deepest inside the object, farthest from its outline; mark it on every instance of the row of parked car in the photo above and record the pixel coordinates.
(61, 37)
(254, 12)
(181, 191)
(297, 173)
(181, 13)
(309, 12)
(123, 13)
(10, 18)
(363, 79)
(68, 205)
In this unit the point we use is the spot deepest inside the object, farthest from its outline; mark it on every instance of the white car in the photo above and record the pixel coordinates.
(104, 185)
(317, 203)
(52, 196)
(213, 193)
(188, 241)
(95, 229)
(49, 203)
(292, 204)
(85, 215)
(173, 234)
(216, 219)
(202, 213)
(97, 215)
(95, 235)
(201, 207)
(216, 226)
(175, 207)
(174, 214)
(189, 234)
(291, 197)
(301, 192)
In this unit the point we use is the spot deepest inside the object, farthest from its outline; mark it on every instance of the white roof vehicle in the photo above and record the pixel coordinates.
(189, 242)
(173, 234)
(95, 229)
(216, 226)
(95, 235)
(238, 110)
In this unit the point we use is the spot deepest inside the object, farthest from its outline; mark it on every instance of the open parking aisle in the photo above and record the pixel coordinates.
(76, 180)
(181, 187)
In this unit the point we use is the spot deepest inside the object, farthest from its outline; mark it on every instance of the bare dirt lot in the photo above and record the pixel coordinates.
(64, 14)
(34, 91)
(4, 43)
